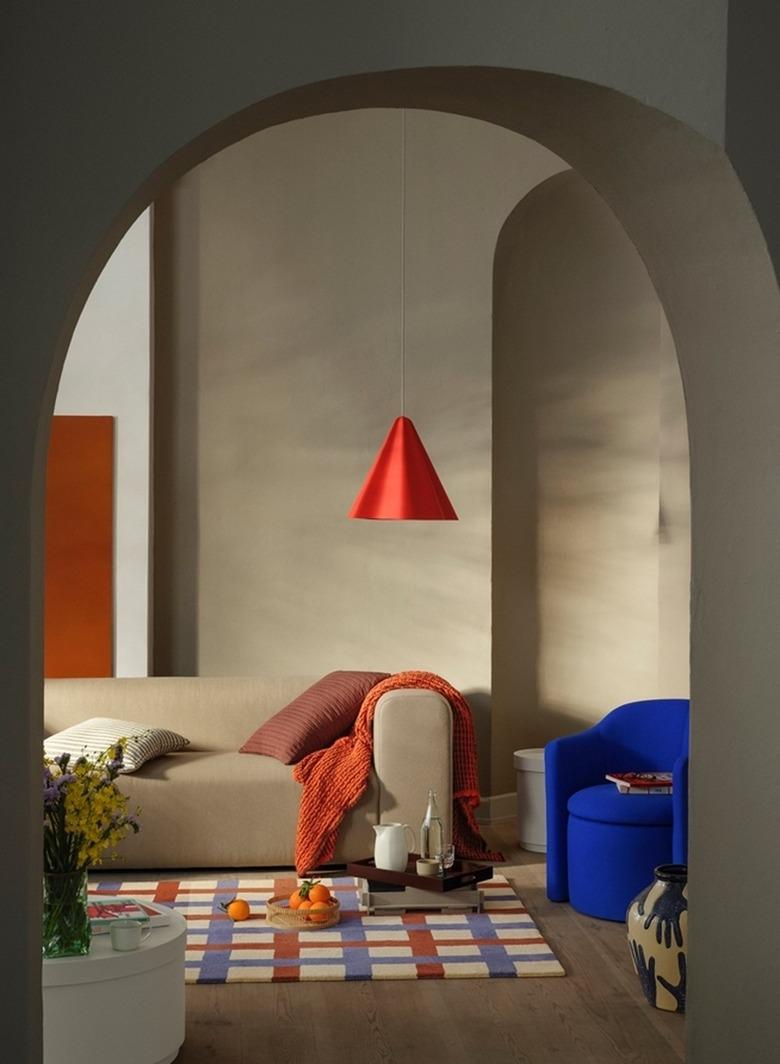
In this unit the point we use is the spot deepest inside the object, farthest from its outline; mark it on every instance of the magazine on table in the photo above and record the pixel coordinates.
(641, 782)
(103, 908)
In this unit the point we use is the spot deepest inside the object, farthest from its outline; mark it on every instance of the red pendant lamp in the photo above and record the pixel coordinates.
(402, 484)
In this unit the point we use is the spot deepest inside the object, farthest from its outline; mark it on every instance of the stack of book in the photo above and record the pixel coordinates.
(641, 782)
(102, 909)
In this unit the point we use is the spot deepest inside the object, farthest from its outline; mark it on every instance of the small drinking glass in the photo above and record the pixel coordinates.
(446, 859)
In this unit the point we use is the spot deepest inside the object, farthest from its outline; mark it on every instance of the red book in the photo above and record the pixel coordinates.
(641, 782)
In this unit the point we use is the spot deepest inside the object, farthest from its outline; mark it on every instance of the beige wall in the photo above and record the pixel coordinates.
(278, 376)
(590, 604)
(674, 541)
(107, 371)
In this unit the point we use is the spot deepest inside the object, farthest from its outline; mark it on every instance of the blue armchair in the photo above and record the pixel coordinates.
(602, 846)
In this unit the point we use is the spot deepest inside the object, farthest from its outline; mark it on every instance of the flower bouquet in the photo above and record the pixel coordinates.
(84, 813)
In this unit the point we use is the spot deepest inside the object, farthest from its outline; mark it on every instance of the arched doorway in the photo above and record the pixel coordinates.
(679, 200)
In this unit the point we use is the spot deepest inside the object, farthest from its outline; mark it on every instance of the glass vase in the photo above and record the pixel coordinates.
(66, 927)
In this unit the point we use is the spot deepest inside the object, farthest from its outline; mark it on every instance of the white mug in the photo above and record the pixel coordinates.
(127, 934)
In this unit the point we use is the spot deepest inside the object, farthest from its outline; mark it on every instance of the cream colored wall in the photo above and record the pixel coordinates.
(590, 601)
(674, 543)
(278, 377)
(107, 371)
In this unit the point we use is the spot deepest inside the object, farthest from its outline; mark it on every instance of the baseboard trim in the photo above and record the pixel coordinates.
(496, 807)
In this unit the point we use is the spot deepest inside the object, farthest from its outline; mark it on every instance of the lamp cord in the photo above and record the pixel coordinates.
(403, 261)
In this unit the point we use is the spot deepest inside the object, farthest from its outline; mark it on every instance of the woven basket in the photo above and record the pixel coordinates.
(281, 915)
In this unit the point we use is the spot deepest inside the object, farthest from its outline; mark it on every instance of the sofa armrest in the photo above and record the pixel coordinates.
(412, 753)
(571, 763)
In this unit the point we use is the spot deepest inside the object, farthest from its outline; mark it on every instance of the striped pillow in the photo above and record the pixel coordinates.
(97, 734)
(314, 719)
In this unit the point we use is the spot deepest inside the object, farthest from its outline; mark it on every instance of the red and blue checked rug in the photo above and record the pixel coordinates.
(500, 942)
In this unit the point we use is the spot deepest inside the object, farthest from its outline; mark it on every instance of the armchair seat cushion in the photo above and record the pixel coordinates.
(606, 805)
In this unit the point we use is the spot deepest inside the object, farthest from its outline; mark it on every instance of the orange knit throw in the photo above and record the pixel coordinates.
(335, 778)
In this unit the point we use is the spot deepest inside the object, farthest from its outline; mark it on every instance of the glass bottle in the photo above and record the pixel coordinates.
(431, 831)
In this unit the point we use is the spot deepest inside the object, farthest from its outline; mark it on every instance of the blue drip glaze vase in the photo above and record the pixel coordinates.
(657, 923)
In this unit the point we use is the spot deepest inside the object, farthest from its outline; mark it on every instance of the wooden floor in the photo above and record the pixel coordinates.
(595, 1015)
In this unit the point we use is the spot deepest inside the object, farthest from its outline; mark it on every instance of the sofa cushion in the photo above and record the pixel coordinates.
(607, 805)
(315, 718)
(98, 734)
(222, 810)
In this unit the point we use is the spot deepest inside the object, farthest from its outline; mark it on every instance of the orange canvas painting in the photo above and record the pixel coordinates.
(78, 617)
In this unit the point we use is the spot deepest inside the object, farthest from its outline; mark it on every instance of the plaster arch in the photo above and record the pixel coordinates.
(590, 492)
(679, 200)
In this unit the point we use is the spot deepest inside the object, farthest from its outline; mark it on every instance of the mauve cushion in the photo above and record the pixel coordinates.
(315, 718)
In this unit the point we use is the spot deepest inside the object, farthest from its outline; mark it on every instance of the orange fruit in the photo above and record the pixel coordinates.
(306, 904)
(319, 893)
(295, 899)
(319, 912)
(237, 909)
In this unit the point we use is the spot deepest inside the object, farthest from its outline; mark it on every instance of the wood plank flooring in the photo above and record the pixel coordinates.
(595, 1015)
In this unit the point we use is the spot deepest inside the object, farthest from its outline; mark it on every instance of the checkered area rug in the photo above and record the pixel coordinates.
(500, 942)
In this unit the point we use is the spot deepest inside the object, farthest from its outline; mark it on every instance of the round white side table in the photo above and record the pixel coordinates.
(531, 802)
(127, 1008)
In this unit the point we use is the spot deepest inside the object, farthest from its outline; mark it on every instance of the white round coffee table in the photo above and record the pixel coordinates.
(127, 1008)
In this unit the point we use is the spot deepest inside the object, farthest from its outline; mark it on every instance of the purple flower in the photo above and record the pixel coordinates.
(53, 787)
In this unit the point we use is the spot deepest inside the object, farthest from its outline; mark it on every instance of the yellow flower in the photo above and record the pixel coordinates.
(94, 812)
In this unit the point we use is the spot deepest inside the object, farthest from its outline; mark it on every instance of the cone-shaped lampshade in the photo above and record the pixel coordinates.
(402, 484)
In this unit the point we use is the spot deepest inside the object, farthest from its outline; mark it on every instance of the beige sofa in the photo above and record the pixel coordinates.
(211, 807)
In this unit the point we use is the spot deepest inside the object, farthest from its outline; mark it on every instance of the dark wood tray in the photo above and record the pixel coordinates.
(462, 874)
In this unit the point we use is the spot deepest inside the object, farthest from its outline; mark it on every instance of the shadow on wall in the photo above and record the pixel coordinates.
(562, 720)
(480, 703)
(176, 430)
(579, 417)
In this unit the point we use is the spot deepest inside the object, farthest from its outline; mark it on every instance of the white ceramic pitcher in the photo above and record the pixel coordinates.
(391, 851)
